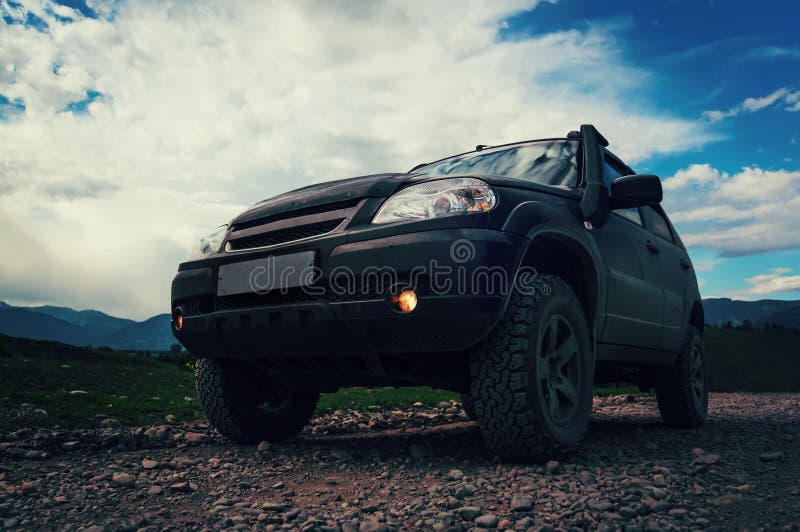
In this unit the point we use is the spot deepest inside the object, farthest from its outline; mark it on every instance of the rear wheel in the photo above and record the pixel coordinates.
(532, 378)
(682, 391)
(248, 406)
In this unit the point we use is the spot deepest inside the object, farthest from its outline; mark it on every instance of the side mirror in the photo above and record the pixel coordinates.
(635, 191)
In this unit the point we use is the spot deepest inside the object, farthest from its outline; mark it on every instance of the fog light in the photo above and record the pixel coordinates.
(405, 301)
(177, 319)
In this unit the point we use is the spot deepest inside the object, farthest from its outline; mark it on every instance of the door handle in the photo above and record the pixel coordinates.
(652, 247)
(685, 265)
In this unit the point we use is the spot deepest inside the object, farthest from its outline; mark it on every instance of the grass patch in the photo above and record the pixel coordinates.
(133, 389)
(361, 398)
(754, 361)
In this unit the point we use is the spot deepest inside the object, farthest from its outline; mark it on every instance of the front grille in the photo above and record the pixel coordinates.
(306, 211)
(283, 236)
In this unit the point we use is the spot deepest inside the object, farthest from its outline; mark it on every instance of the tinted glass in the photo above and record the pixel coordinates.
(611, 171)
(553, 162)
(629, 214)
(658, 224)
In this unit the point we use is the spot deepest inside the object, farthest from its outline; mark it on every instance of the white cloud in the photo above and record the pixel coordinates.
(774, 282)
(695, 173)
(791, 100)
(752, 211)
(207, 108)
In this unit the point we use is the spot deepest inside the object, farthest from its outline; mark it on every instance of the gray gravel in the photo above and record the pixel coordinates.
(415, 468)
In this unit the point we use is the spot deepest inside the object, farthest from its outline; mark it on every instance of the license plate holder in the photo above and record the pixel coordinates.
(275, 272)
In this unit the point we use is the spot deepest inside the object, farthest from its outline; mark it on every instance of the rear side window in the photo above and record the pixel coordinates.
(658, 224)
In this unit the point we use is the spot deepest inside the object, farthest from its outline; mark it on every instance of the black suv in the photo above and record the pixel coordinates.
(515, 275)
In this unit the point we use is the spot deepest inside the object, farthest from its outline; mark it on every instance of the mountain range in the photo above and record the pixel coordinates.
(92, 327)
(771, 311)
(86, 327)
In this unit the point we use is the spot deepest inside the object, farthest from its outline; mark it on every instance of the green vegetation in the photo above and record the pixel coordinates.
(752, 360)
(140, 389)
(361, 398)
(129, 388)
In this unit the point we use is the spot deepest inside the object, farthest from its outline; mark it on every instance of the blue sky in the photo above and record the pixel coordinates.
(707, 55)
(128, 129)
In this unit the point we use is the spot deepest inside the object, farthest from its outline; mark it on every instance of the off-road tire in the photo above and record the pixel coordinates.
(469, 406)
(681, 403)
(510, 400)
(236, 400)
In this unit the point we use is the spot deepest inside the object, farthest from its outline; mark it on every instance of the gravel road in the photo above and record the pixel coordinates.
(415, 468)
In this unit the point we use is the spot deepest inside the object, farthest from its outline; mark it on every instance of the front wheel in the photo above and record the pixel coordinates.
(532, 378)
(248, 406)
(682, 391)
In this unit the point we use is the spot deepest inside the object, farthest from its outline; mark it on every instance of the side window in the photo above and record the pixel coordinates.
(632, 215)
(658, 224)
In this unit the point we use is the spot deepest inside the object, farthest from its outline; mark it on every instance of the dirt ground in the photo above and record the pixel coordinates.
(415, 468)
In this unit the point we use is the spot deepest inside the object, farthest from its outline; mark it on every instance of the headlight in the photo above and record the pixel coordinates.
(209, 244)
(432, 199)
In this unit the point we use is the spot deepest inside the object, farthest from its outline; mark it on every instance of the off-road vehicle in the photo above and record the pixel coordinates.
(516, 275)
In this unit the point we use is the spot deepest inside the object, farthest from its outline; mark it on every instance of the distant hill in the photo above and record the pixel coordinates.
(153, 334)
(86, 327)
(92, 318)
(721, 310)
(24, 323)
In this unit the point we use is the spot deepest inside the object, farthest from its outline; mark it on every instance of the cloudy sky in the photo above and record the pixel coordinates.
(128, 129)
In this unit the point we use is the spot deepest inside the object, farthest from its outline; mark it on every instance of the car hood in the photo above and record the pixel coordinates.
(343, 190)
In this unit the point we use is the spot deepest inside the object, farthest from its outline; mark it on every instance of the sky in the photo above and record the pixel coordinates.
(128, 129)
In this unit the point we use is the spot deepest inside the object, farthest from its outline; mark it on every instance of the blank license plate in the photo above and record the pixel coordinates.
(266, 273)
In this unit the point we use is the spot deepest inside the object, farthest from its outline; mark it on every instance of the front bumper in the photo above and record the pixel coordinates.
(457, 272)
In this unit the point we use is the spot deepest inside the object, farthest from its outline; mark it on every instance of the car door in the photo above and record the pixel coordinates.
(635, 301)
(674, 269)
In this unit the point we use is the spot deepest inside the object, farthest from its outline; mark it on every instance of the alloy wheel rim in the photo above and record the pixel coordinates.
(559, 376)
(696, 375)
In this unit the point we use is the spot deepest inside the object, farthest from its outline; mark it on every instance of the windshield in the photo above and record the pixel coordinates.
(549, 162)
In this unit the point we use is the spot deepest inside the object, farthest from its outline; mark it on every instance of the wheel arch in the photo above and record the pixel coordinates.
(697, 317)
(557, 252)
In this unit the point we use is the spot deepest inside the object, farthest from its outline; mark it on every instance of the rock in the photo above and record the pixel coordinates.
(678, 512)
(656, 493)
(628, 513)
(155, 490)
(78, 392)
(520, 503)
(149, 464)
(600, 505)
(373, 525)
(468, 513)
(552, 466)
(70, 445)
(770, 456)
(125, 480)
(170, 418)
(487, 521)
(465, 490)
(195, 438)
(185, 487)
(13, 522)
(263, 447)
(707, 459)
(455, 474)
